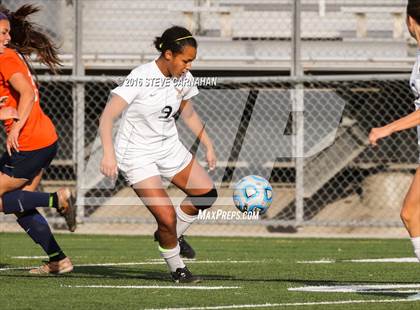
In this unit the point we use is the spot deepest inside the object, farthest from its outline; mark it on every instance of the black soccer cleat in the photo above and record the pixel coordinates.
(156, 236)
(186, 250)
(183, 275)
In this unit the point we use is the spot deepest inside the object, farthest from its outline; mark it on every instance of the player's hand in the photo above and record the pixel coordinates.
(109, 166)
(378, 133)
(12, 138)
(8, 113)
(211, 158)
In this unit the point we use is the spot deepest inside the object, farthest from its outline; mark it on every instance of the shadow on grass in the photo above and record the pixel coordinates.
(123, 273)
(102, 272)
(387, 294)
(302, 281)
(95, 272)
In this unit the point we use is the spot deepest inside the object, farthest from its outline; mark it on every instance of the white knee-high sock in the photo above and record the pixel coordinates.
(416, 245)
(172, 258)
(183, 221)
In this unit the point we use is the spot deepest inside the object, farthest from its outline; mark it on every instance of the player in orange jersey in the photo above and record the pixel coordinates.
(31, 137)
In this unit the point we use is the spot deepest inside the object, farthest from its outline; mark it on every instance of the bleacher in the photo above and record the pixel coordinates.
(256, 35)
(339, 35)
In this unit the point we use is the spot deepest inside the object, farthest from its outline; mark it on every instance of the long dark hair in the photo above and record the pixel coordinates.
(413, 10)
(28, 37)
(175, 39)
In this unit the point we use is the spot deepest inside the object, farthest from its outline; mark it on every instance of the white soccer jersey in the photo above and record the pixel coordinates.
(148, 124)
(415, 87)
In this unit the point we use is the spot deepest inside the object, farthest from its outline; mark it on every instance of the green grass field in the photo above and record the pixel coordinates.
(245, 271)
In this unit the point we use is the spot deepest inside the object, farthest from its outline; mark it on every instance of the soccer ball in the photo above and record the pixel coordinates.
(253, 194)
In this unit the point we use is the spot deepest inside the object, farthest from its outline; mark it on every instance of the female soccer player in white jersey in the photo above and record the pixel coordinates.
(148, 148)
(410, 213)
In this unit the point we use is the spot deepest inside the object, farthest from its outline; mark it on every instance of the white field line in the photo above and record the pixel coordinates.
(30, 257)
(160, 259)
(17, 268)
(387, 260)
(355, 288)
(155, 287)
(160, 262)
(369, 260)
(322, 261)
(270, 305)
(414, 291)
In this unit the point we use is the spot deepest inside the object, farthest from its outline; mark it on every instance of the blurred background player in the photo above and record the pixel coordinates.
(148, 146)
(410, 213)
(31, 137)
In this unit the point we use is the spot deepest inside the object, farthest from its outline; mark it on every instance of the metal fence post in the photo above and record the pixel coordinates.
(298, 108)
(79, 109)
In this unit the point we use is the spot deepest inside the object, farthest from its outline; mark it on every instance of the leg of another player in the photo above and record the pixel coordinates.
(36, 226)
(13, 199)
(410, 213)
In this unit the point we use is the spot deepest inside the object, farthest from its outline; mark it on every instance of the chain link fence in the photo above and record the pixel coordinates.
(252, 120)
(346, 182)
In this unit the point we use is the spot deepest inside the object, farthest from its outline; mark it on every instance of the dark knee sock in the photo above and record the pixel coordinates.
(36, 226)
(21, 201)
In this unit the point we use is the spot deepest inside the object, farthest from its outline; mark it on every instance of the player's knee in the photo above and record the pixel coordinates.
(404, 215)
(167, 224)
(204, 201)
(1, 192)
(408, 212)
(1, 199)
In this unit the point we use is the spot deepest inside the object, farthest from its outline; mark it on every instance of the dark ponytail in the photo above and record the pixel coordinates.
(27, 37)
(413, 10)
(175, 39)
